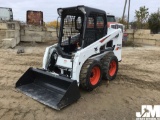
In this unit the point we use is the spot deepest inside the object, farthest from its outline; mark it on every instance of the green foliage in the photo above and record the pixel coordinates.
(154, 22)
(133, 24)
(141, 17)
(124, 21)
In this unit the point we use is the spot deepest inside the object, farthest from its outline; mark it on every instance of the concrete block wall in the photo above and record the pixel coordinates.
(3, 26)
(9, 34)
(2, 36)
(143, 37)
(33, 33)
(9, 43)
(14, 32)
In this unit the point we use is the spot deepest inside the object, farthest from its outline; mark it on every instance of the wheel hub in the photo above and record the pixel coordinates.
(112, 68)
(95, 75)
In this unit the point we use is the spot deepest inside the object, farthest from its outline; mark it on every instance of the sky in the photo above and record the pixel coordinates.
(49, 7)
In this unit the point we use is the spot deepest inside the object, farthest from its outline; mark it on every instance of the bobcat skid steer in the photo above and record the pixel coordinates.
(86, 53)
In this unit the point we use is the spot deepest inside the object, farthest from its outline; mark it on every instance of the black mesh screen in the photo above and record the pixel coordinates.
(69, 30)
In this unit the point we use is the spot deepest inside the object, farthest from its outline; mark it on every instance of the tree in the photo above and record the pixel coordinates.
(154, 22)
(52, 24)
(133, 25)
(141, 16)
(124, 21)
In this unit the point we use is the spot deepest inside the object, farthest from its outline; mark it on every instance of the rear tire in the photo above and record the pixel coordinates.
(109, 66)
(90, 75)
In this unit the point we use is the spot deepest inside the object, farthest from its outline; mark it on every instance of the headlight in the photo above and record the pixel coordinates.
(55, 56)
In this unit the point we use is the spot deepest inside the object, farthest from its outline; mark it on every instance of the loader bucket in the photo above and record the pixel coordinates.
(51, 90)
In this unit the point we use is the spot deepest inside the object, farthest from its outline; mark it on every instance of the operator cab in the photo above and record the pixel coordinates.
(80, 26)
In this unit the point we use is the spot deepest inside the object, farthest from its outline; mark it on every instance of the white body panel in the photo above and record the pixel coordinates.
(82, 55)
(63, 62)
(47, 55)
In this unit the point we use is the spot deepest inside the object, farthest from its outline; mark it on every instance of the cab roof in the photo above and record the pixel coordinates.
(87, 9)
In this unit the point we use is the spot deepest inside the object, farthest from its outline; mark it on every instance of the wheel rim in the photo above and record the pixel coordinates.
(112, 68)
(95, 75)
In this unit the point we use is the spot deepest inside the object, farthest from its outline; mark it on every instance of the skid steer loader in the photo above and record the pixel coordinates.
(86, 53)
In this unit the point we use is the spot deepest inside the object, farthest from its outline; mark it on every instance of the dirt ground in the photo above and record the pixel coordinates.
(137, 83)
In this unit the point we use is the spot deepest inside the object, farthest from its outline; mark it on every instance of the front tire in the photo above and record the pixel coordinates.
(90, 75)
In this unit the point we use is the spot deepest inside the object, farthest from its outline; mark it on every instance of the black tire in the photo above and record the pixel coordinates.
(90, 75)
(107, 61)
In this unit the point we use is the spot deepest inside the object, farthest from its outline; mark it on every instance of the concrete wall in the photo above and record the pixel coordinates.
(37, 34)
(144, 37)
(2, 36)
(11, 33)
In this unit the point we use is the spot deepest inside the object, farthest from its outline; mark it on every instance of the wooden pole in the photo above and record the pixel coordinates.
(128, 13)
(124, 10)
